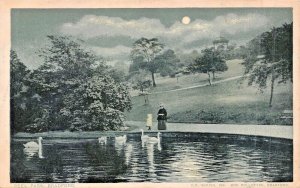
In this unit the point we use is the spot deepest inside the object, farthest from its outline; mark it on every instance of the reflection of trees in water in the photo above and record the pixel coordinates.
(33, 169)
(63, 163)
(17, 165)
(110, 160)
(213, 158)
(72, 162)
(52, 165)
(276, 163)
(265, 157)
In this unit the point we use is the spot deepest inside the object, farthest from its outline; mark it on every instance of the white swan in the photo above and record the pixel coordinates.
(121, 139)
(32, 147)
(30, 152)
(144, 137)
(102, 140)
(154, 139)
(33, 144)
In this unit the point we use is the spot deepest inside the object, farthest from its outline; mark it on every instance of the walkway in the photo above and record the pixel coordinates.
(202, 85)
(278, 131)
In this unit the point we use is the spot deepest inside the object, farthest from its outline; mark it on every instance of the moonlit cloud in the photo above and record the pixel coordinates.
(178, 35)
(91, 26)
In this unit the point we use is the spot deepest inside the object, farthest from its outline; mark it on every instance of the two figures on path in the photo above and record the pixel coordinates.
(161, 118)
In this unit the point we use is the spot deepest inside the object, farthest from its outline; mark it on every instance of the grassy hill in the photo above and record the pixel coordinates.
(227, 102)
(166, 83)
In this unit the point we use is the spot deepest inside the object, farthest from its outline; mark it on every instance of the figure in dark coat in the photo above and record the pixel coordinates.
(162, 118)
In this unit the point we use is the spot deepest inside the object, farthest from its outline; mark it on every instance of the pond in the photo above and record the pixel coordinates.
(179, 157)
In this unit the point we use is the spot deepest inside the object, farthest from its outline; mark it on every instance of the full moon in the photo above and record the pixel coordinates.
(186, 20)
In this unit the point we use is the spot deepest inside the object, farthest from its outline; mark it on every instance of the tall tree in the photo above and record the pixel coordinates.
(209, 63)
(67, 65)
(18, 72)
(76, 91)
(147, 50)
(18, 75)
(270, 58)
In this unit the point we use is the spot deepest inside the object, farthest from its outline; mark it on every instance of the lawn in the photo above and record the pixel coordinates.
(228, 102)
(166, 83)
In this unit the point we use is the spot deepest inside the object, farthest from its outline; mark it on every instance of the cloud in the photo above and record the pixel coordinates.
(230, 25)
(91, 26)
(178, 35)
(116, 52)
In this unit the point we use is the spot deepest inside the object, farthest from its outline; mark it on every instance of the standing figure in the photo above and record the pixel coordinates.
(162, 118)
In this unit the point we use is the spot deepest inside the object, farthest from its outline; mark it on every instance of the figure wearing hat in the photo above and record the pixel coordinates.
(162, 118)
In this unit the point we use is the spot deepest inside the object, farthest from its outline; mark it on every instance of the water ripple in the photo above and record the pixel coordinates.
(206, 160)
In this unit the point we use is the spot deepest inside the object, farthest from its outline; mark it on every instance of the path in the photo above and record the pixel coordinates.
(278, 131)
(203, 85)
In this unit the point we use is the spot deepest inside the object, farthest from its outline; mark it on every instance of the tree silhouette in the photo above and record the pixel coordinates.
(147, 50)
(209, 63)
(18, 76)
(76, 90)
(270, 58)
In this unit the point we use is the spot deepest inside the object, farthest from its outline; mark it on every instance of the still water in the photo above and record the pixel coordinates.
(189, 158)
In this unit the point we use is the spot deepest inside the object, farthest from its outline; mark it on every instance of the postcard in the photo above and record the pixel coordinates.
(135, 93)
